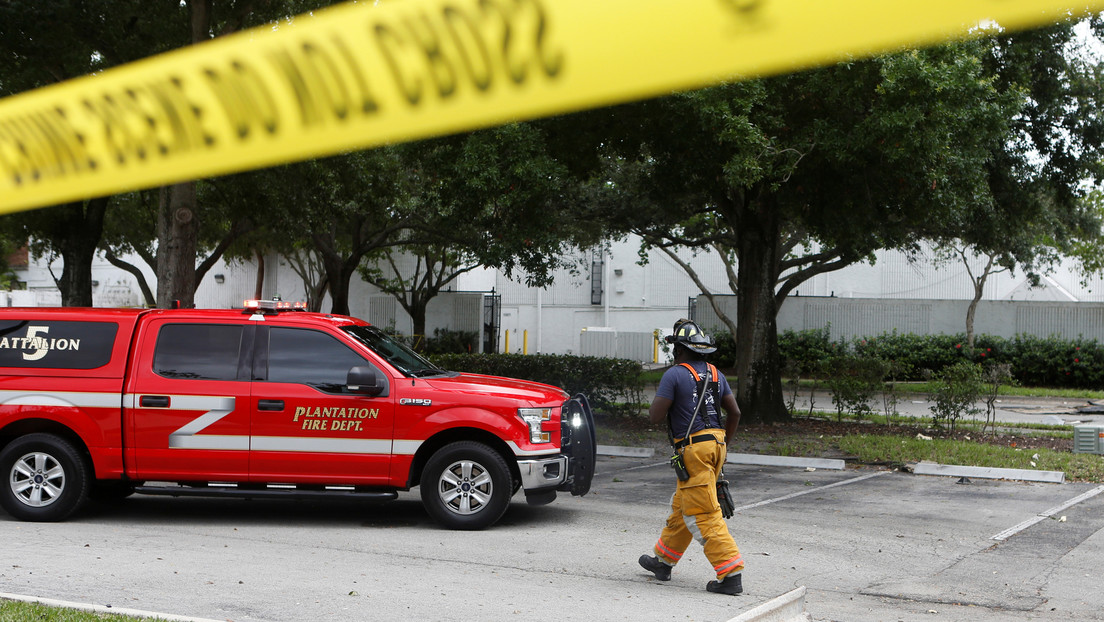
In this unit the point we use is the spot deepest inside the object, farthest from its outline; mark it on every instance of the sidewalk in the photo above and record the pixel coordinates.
(1009, 409)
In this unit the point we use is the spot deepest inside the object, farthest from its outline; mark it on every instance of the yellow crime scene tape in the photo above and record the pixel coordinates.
(365, 74)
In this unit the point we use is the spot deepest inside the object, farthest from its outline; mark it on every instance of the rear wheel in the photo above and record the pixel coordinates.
(466, 485)
(45, 478)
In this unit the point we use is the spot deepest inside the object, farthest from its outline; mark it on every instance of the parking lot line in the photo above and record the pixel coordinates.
(812, 490)
(1008, 533)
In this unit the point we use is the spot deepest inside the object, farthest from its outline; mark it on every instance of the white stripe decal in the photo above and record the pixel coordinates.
(187, 437)
(405, 448)
(321, 445)
(61, 398)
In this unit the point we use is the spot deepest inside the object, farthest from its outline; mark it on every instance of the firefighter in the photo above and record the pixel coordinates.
(700, 440)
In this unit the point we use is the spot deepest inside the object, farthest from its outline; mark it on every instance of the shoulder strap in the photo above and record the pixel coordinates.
(693, 371)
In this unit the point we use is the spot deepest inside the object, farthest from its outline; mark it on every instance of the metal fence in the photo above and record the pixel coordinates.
(865, 317)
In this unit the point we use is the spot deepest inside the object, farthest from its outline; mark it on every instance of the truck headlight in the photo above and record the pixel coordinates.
(534, 418)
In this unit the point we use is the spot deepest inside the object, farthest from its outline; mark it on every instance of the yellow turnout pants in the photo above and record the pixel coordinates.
(695, 512)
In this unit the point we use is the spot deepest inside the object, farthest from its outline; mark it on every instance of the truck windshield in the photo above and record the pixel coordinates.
(394, 352)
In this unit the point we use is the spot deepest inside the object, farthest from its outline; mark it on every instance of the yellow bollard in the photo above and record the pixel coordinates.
(525, 341)
(506, 345)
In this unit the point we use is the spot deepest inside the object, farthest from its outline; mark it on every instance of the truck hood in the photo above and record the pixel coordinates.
(526, 390)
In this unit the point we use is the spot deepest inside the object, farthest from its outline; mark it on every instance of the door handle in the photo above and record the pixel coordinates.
(154, 401)
(270, 404)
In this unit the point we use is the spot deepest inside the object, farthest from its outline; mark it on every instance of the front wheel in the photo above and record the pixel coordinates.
(45, 478)
(466, 485)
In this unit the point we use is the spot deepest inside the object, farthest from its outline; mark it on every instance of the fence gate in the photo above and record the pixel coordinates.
(492, 321)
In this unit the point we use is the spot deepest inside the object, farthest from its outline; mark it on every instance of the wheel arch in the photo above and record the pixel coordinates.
(445, 437)
(34, 425)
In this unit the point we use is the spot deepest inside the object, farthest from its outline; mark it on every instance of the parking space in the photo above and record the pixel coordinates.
(901, 546)
(868, 544)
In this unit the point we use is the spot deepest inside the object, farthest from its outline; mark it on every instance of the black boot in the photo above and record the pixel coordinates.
(732, 584)
(652, 564)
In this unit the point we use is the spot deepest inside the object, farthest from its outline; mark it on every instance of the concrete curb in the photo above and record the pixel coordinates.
(628, 452)
(789, 607)
(813, 463)
(786, 461)
(134, 613)
(950, 470)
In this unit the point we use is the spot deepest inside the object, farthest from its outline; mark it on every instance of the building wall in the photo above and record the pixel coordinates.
(640, 298)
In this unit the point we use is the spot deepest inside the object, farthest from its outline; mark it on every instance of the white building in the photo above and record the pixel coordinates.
(611, 305)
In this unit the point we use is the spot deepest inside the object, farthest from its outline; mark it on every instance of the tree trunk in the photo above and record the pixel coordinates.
(177, 220)
(759, 384)
(177, 237)
(339, 271)
(83, 225)
(258, 288)
(979, 291)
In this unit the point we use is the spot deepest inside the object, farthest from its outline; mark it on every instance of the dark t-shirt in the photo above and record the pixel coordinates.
(679, 386)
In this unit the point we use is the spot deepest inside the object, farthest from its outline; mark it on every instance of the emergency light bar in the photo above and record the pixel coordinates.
(274, 305)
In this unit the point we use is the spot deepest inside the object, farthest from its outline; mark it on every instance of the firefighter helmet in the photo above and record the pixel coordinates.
(688, 335)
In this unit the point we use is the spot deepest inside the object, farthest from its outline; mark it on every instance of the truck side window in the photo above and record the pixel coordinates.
(198, 351)
(310, 357)
(56, 344)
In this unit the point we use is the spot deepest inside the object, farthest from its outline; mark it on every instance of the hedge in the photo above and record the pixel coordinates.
(1035, 361)
(611, 385)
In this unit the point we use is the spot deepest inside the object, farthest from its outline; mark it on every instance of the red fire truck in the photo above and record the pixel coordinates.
(267, 401)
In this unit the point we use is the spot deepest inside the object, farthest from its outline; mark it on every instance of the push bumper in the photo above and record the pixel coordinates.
(543, 472)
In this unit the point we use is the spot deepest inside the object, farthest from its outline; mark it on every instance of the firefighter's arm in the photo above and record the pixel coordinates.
(657, 412)
(732, 415)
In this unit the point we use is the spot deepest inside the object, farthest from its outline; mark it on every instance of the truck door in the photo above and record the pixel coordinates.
(188, 401)
(306, 427)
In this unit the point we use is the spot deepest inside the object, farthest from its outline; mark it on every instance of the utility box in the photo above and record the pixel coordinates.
(1088, 439)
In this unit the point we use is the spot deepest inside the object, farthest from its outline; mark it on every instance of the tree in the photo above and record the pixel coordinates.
(1039, 174)
(44, 43)
(340, 208)
(69, 231)
(413, 286)
(500, 198)
(793, 176)
(179, 218)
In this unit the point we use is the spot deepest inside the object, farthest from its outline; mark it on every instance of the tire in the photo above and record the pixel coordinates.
(466, 485)
(45, 478)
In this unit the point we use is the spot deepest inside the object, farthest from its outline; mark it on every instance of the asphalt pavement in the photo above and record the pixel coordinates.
(867, 544)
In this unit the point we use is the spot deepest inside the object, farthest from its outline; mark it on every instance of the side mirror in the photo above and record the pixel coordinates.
(365, 380)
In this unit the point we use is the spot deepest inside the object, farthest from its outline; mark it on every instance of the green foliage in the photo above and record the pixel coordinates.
(725, 356)
(445, 341)
(912, 352)
(853, 382)
(1032, 361)
(612, 385)
(809, 349)
(957, 388)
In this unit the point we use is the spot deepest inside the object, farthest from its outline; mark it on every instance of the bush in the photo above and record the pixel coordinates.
(853, 382)
(725, 356)
(445, 341)
(611, 385)
(957, 388)
(1034, 361)
(807, 351)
